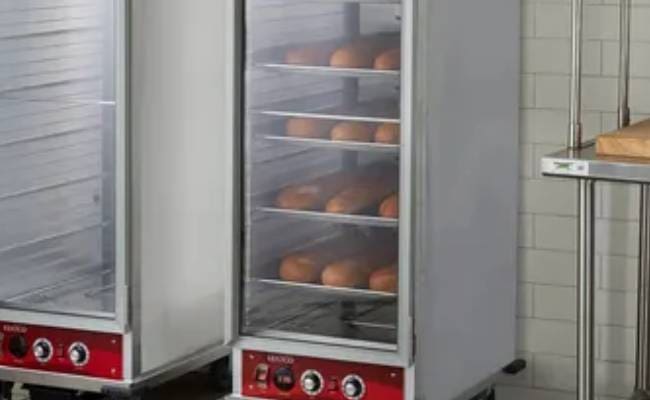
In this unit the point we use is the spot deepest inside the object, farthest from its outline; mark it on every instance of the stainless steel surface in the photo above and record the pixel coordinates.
(642, 381)
(182, 182)
(625, 11)
(336, 145)
(466, 163)
(575, 105)
(585, 163)
(332, 71)
(360, 220)
(586, 289)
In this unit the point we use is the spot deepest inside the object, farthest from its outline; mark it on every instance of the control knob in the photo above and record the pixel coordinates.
(79, 354)
(311, 382)
(42, 350)
(353, 387)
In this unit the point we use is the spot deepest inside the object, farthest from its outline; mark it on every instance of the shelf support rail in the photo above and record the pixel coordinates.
(586, 223)
(642, 357)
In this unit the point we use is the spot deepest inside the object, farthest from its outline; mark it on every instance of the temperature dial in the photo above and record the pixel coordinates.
(353, 387)
(42, 350)
(311, 382)
(79, 354)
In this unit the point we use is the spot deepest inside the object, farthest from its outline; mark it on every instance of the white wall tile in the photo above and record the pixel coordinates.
(547, 336)
(555, 233)
(616, 344)
(554, 302)
(547, 267)
(618, 273)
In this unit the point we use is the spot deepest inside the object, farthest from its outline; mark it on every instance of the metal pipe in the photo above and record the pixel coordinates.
(624, 64)
(586, 289)
(575, 107)
(643, 295)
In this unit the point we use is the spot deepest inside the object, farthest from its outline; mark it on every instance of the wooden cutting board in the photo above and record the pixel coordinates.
(633, 141)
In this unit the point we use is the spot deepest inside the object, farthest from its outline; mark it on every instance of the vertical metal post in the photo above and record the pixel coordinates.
(586, 289)
(624, 64)
(586, 230)
(575, 107)
(643, 314)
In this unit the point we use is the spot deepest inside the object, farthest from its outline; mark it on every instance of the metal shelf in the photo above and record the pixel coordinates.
(332, 71)
(360, 220)
(338, 291)
(370, 111)
(336, 144)
(393, 2)
(585, 163)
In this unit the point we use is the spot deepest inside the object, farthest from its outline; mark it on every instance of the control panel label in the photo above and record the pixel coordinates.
(558, 167)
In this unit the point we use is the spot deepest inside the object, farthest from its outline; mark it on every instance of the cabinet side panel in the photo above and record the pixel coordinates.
(466, 125)
(182, 162)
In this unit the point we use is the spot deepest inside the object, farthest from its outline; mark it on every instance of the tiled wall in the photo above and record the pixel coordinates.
(547, 337)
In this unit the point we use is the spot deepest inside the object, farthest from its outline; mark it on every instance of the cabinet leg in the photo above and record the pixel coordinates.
(5, 390)
(221, 374)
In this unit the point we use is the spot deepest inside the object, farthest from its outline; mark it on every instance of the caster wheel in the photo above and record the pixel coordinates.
(221, 375)
(5, 390)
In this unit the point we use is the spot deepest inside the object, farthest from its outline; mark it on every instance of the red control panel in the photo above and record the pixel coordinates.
(92, 354)
(279, 376)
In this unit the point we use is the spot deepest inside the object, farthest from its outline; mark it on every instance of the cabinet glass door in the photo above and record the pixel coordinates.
(57, 155)
(322, 94)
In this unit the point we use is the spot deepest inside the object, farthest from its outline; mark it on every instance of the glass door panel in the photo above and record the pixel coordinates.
(322, 147)
(57, 155)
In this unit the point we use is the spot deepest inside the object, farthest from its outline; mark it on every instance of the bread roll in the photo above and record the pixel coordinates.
(314, 55)
(352, 131)
(315, 194)
(308, 128)
(306, 266)
(350, 273)
(389, 208)
(364, 194)
(388, 134)
(359, 54)
(385, 279)
(354, 272)
(389, 60)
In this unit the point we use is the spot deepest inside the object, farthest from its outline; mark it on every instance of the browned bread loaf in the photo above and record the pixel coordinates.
(388, 134)
(385, 279)
(389, 208)
(308, 128)
(352, 131)
(389, 60)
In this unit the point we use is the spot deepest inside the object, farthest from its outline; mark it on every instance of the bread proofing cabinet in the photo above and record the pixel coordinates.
(379, 161)
(112, 120)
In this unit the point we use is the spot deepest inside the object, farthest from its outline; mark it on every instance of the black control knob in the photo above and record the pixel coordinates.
(42, 350)
(353, 387)
(78, 354)
(283, 379)
(18, 346)
(311, 382)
